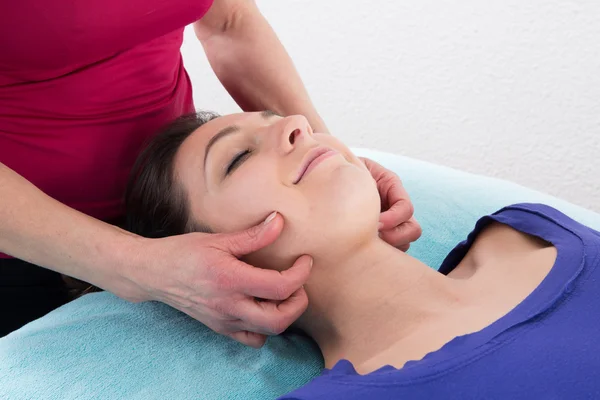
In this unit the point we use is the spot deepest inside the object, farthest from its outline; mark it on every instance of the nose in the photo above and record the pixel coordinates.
(293, 129)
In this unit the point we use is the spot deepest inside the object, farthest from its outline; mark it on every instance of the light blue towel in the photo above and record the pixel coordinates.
(100, 347)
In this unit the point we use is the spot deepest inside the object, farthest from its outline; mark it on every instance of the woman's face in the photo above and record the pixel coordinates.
(239, 168)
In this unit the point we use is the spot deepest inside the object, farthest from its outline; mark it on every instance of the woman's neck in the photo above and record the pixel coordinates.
(364, 303)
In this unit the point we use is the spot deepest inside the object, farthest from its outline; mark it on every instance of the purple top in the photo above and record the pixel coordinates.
(546, 347)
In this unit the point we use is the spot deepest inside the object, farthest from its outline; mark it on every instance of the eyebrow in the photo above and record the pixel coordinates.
(229, 130)
(268, 113)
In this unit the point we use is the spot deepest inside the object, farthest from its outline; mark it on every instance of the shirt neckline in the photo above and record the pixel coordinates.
(569, 247)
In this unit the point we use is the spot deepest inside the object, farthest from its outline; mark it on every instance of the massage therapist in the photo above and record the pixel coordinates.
(83, 85)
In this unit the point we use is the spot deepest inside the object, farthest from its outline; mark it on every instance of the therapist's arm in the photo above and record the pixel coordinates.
(251, 62)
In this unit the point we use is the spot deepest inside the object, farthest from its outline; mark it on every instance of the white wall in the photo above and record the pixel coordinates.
(506, 88)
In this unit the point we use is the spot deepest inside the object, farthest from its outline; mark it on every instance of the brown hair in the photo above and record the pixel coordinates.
(155, 204)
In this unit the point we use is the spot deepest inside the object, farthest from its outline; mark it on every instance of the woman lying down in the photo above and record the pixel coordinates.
(512, 312)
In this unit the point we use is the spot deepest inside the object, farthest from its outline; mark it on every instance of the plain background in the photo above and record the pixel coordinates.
(508, 88)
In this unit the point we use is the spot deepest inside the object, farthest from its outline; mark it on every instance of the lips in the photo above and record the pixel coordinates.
(314, 157)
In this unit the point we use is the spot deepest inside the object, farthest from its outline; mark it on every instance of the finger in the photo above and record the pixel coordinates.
(216, 321)
(401, 209)
(377, 170)
(402, 235)
(251, 339)
(273, 318)
(270, 284)
(254, 238)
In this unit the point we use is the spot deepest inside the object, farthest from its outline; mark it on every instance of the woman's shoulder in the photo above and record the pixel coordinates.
(539, 222)
(538, 215)
(551, 225)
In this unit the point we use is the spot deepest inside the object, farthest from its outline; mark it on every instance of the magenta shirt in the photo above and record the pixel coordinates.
(83, 84)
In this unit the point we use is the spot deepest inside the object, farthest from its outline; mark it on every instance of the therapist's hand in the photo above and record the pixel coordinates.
(397, 226)
(201, 275)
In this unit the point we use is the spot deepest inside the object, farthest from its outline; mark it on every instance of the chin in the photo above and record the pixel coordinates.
(347, 209)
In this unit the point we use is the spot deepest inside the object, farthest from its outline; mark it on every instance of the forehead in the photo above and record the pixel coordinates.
(200, 139)
(206, 132)
(192, 151)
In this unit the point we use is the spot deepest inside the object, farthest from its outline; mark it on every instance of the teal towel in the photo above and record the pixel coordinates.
(101, 347)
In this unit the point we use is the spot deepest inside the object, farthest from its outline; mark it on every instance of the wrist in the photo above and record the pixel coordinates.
(120, 269)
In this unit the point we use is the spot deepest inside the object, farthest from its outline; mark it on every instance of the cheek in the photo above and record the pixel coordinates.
(249, 195)
(245, 202)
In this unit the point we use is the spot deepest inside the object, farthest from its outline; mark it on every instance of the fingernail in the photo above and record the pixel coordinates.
(311, 262)
(270, 217)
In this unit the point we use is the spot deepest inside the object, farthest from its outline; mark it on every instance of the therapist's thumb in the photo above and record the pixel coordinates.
(255, 238)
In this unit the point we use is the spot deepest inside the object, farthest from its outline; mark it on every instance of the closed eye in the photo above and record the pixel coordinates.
(237, 160)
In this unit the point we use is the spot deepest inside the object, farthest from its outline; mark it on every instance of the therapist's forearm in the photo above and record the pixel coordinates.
(36, 228)
(256, 70)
